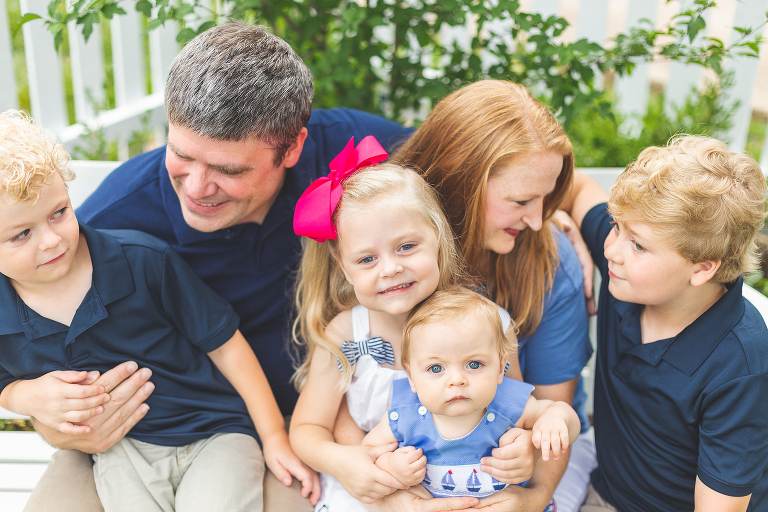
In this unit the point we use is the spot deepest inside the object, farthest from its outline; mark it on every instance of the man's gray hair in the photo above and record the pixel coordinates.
(237, 81)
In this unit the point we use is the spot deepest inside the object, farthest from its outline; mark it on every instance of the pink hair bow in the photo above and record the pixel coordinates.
(315, 207)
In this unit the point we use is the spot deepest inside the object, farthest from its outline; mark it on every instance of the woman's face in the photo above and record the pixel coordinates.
(514, 199)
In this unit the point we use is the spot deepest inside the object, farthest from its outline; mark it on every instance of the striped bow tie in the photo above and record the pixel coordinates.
(379, 349)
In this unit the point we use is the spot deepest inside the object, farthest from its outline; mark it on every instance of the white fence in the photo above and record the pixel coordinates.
(596, 20)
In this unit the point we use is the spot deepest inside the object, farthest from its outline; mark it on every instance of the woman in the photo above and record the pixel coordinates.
(502, 166)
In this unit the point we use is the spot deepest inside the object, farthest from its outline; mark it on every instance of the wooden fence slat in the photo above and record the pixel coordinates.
(162, 50)
(128, 58)
(633, 91)
(8, 94)
(745, 75)
(87, 59)
(46, 83)
(592, 23)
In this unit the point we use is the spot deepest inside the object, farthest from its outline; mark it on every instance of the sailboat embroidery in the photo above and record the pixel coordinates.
(473, 483)
(497, 486)
(447, 481)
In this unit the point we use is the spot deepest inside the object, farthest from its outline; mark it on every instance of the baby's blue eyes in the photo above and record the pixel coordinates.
(367, 259)
(435, 368)
(474, 365)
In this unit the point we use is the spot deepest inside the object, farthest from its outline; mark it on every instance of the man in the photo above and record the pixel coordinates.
(241, 149)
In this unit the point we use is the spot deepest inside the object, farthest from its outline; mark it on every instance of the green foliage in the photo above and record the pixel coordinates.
(15, 425)
(598, 143)
(387, 56)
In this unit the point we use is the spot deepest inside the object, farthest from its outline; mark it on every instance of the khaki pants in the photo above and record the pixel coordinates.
(595, 503)
(68, 486)
(221, 473)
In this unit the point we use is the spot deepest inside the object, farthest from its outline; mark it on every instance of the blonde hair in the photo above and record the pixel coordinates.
(29, 157)
(470, 135)
(322, 291)
(457, 305)
(705, 201)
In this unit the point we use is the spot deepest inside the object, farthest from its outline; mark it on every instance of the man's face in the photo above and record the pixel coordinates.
(223, 183)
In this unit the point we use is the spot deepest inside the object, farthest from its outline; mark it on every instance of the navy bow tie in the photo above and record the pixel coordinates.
(379, 349)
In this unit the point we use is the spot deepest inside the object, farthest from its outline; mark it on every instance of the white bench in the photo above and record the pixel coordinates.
(24, 455)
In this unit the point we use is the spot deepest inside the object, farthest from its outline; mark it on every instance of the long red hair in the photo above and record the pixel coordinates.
(468, 136)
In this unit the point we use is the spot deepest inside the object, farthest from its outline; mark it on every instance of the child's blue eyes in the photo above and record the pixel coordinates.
(20, 236)
(407, 247)
(474, 365)
(367, 259)
(435, 368)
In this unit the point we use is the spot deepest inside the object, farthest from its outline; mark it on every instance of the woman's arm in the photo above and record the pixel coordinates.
(585, 195)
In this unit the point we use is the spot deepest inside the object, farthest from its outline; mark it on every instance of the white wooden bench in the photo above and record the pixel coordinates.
(24, 455)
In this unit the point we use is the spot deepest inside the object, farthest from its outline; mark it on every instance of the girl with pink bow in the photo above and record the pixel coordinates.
(378, 245)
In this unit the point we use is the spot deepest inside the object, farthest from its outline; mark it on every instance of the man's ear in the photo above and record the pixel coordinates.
(294, 150)
(503, 367)
(703, 272)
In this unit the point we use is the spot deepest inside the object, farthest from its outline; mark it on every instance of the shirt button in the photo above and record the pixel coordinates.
(393, 416)
(491, 416)
(422, 410)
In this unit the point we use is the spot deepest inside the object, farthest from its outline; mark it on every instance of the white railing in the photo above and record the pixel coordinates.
(596, 20)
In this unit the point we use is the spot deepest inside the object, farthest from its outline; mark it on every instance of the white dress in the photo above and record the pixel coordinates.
(368, 398)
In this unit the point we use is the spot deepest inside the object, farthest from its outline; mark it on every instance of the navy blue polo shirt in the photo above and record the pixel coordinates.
(249, 264)
(145, 304)
(669, 411)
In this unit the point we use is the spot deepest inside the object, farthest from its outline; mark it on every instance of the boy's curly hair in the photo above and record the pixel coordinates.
(29, 157)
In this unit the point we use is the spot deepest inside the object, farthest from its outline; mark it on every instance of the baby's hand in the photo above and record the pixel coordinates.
(281, 460)
(551, 432)
(407, 464)
(60, 399)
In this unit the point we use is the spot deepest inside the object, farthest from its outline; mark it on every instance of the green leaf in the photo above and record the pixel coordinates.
(694, 26)
(144, 7)
(25, 19)
(110, 9)
(185, 35)
(205, 26)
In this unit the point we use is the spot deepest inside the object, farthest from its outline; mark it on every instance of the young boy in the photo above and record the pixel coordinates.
(80, 300)
(456, 403)
(682, 359)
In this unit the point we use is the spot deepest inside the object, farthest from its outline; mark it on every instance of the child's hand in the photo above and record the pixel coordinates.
(551, 432)
(60, 399)
(281, 460)
(515, 458)
(407, 464)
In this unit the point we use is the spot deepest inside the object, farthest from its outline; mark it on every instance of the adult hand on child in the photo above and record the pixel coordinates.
(573, 233)
(407, 464)
(515, 458)
(418, 499)
(128, 389)
(60, 399)
(283, 462)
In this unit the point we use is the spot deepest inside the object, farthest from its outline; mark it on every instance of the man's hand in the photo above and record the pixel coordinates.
(515, 458)
(59, 399)
(128, 389)
(407, 464)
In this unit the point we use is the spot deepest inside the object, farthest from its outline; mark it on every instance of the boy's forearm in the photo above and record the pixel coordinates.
(236, 360)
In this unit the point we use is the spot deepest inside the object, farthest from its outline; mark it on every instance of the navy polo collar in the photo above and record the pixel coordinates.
(688, 350)
(280, 211)
(112, 280)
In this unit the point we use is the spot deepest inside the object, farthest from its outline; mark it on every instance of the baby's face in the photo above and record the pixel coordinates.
(38, 239)
(455, 366)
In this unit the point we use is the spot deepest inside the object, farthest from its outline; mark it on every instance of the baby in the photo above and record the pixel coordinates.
(456, 403)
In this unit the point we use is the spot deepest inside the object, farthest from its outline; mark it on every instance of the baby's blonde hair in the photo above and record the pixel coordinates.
(322, 291)
(705, 201)
(457, 305)
(29, 157)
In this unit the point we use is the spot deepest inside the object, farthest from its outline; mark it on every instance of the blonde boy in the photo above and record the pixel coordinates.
(75, 302)
(682, 359)
(456, 402)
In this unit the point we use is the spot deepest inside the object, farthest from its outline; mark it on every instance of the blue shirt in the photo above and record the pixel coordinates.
(145, 304)
(559, 348)
(249, 264)
(669, 411)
